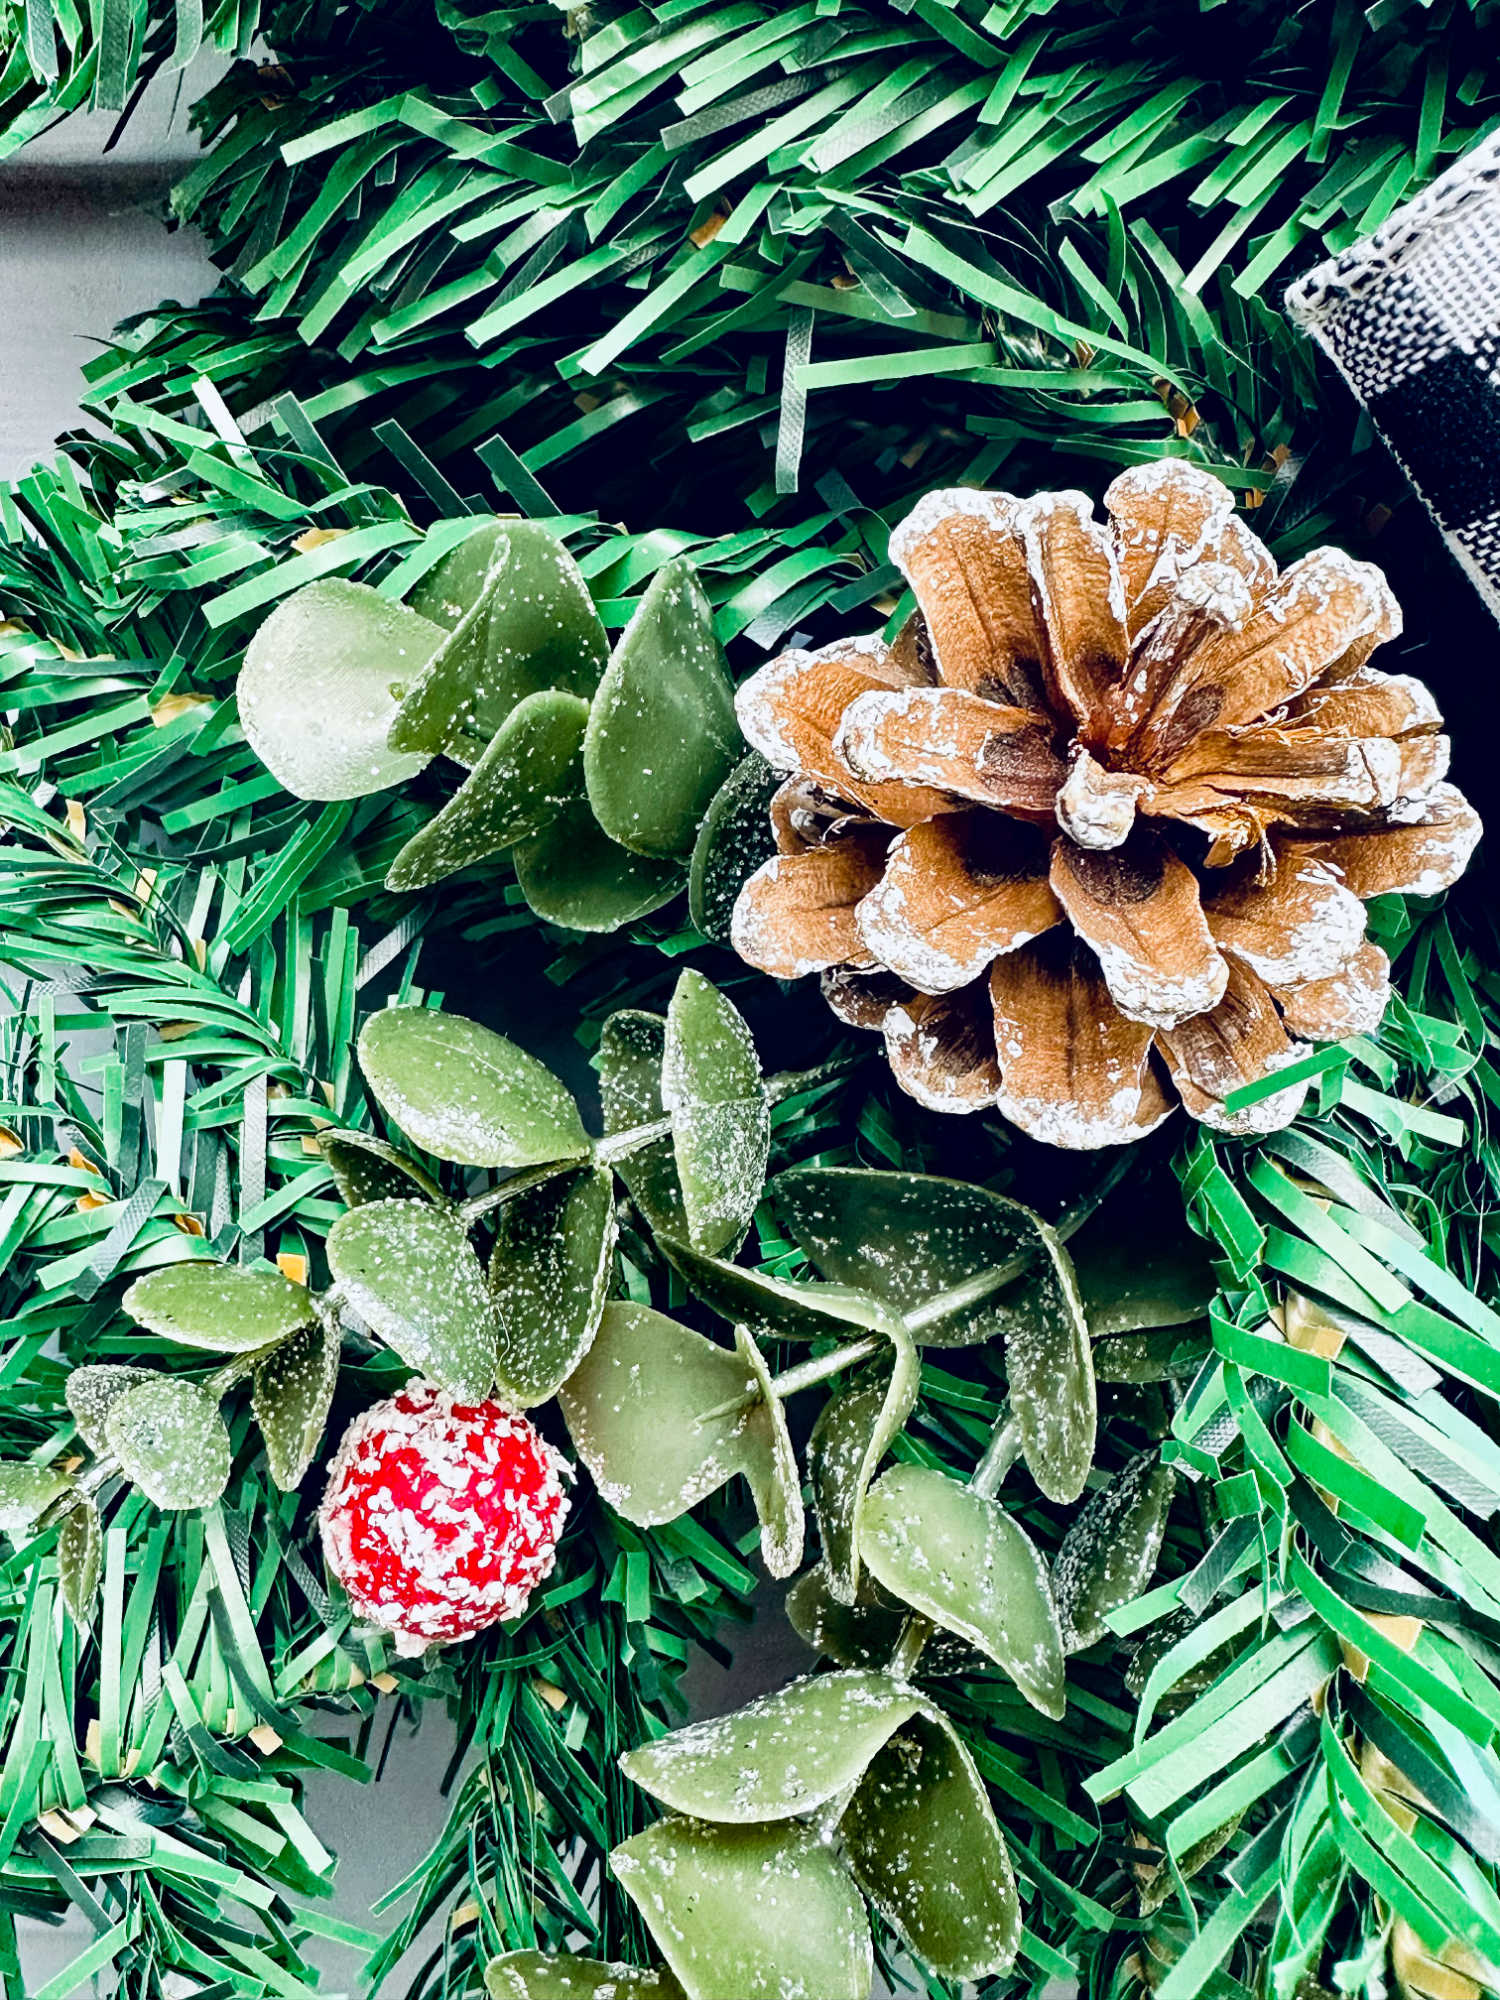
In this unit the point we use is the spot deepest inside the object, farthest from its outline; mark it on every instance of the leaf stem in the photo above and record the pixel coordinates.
(806, 1375)
(477, 1205)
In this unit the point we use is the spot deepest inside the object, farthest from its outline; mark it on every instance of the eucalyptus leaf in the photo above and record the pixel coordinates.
(662, 733)
(1165, 1354)
(777, 1307)
(455, 583)
(80, 1556)
(531, 625)
(365, 1168)
(852, 1435)
(921, 1840)
(912, 1240)
(1109, 1553)
(290, 1394)
(521, 781)
(549, 1272)
(771, 1468)
(748, 1912)
(571, 873)
(170, 1439)
(1050, 1371)
(92, 1391)
(630, 1058)
(411, 1274)
(533, 1975)
(320, 686)
(960, 1560)
(735, 838)
(782, 1756)
(862, 1634)
(25, 1492)
(467, 1094)
(636, 1407)
(1139, 1266)
(222, 1307)
(721, 1122)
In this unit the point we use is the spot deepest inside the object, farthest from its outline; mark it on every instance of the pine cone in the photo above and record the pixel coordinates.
(1092, 836)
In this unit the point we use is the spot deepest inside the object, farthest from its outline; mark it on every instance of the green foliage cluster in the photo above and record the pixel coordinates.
(741, 279)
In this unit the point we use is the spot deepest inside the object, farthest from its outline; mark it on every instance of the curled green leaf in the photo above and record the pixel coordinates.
(661, 730)
(1110, 1550)
(534, 1975)
(960, 1560)
(80, 1555)
(365, 1168)
(571, 873)
(852, 1435)
(92, 1391)
(525, 621)
(521, 782)
(411, 1274)
(721, 1123)
(290, 1394)
(922, 1842)
(27, 1491)
(748, 1910)
(780, 1757)
(548, 1275)
(735, 838)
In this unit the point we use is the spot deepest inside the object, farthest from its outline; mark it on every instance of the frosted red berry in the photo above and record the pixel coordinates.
(441, 1517)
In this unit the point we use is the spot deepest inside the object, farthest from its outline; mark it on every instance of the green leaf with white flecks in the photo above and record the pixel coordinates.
(921, 1840)
(637, 1409)
(365, 1168)
(411, 1274)
(662, 733)
(320, 687)
(741, 1910)
(963, 1562)
(548, 1274)
(93, 1390)
(170, 1439)
(863, 1634)
(775, 1306)
(80, 1555)
(1138, 1264)
(290, 1393)
(771, 1467)
(466, 1093)
(941, 1250)
(780, 1757)
(533, 1975)
(630, 1058)
(522, 780)
(712, 1088)
(735, 838)
(1050, 1371)
(853, 1433)
(455, 584)
(571, 873)
(222, 1307)
(1110, 1550)
(25, 1492)
(532, 626)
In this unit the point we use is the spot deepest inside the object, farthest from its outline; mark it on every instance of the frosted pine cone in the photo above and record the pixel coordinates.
(1093, 835)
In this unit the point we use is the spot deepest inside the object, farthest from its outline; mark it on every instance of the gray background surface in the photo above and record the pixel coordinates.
(84, 243)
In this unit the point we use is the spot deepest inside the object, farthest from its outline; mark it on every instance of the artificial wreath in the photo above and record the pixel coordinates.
(436, 1266)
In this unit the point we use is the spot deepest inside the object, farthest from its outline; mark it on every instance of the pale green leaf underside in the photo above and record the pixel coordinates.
(467, 1094)
(222, 1307)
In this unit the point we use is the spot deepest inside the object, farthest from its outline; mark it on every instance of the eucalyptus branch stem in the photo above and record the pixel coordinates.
(806, 1375)
(477, 1205)
(620, 1145)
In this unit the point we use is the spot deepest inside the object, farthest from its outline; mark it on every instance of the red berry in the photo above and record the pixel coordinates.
(441, 1517)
